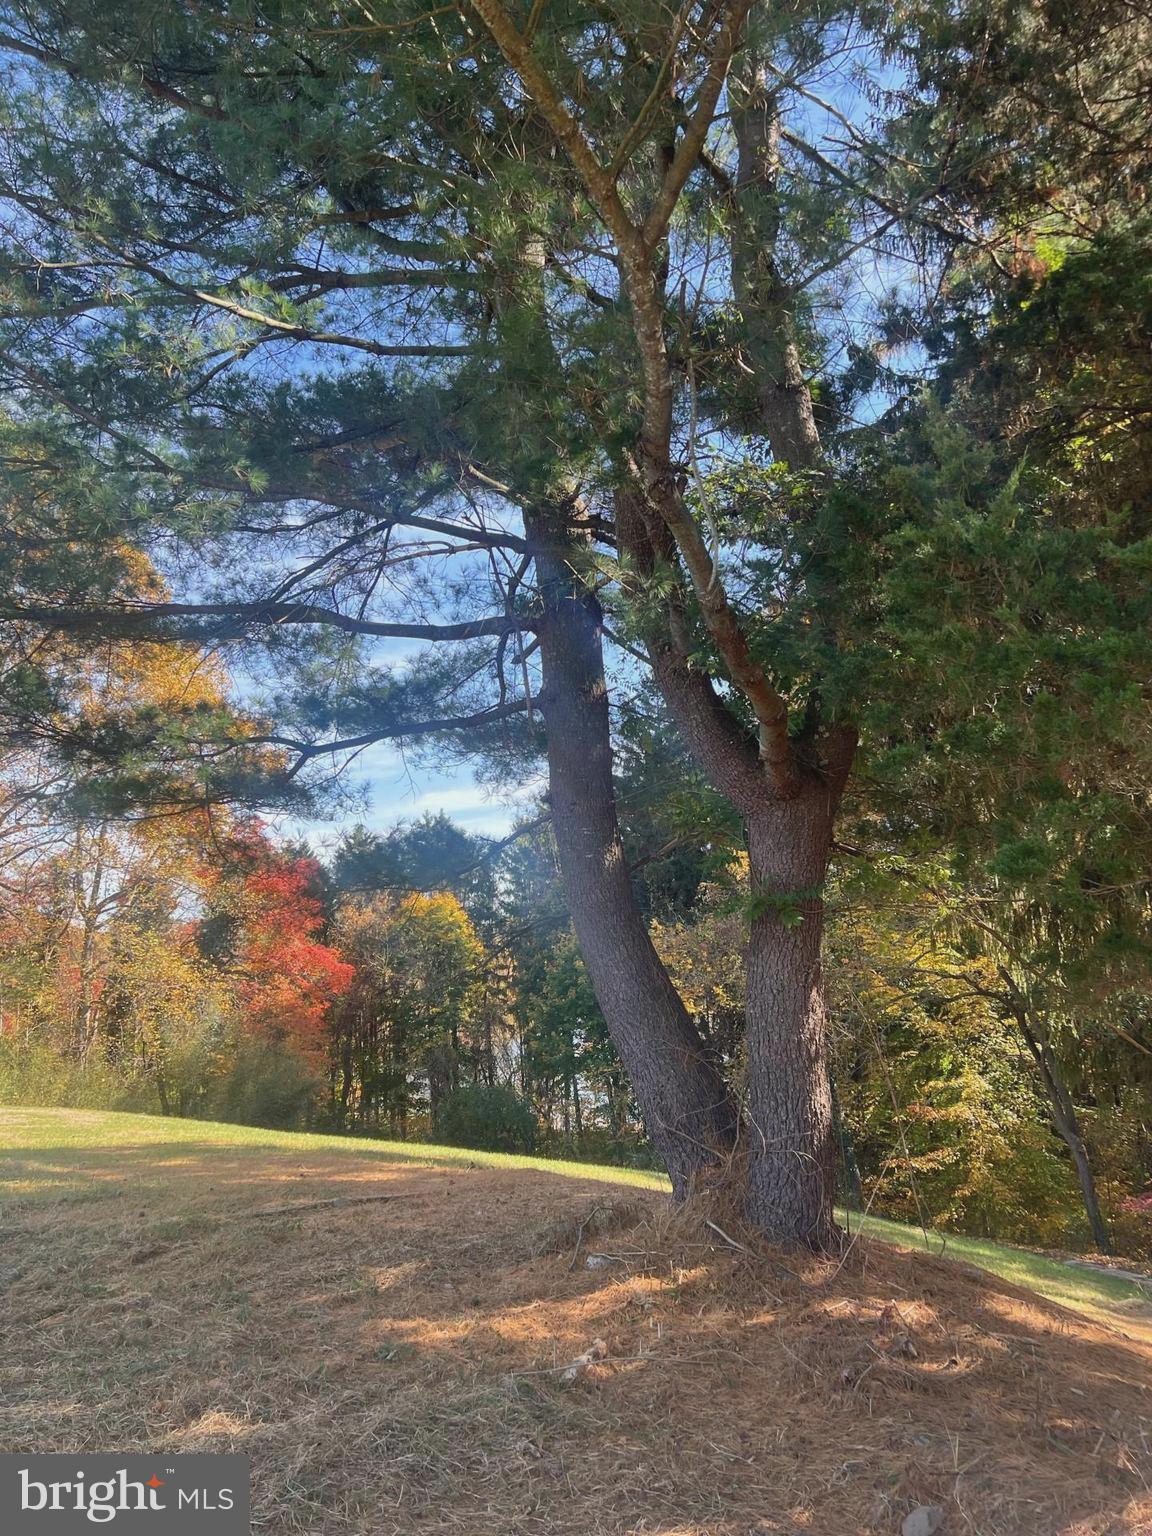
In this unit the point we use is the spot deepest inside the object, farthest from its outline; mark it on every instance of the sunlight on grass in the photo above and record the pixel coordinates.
(1120, 1301)
(38, 1150)
(62, 1130)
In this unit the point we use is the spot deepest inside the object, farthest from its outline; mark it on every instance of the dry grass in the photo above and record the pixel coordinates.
(395, 1367)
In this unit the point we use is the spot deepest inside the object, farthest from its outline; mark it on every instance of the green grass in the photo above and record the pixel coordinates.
(75, 1130)
(42, 1153)
(1100, 1295)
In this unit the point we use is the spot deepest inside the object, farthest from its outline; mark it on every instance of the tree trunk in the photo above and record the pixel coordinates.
(90, 905)
(791, 1148)
(345, 1083)
(766, 303)
(1067, 1123)
(686, 1106)
(488, 1060)
(1087, 1180)
(791, 1143)
(687, 1109)
(854, 1191)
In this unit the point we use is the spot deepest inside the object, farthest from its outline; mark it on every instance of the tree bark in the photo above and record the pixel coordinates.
(791, 1145)
(767, 306)
(792, 1149)
(785, 802)
(687, 1109)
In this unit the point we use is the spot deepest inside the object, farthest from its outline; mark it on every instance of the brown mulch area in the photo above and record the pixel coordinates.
(398, 1366)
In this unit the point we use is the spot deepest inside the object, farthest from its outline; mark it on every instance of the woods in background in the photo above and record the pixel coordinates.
(425, 984)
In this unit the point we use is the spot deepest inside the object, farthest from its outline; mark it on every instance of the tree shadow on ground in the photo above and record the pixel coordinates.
(398, 1365)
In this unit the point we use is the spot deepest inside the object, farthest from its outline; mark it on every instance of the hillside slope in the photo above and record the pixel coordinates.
(396, 1365)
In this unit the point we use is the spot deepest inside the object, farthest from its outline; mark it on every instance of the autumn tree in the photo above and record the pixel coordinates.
(288, 978)
(166, 1013)
(405, 1028)
(79, 876)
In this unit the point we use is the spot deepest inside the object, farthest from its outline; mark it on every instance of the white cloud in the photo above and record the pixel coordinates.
(473, 806)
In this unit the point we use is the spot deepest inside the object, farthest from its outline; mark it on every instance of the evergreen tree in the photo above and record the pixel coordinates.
(452, 328)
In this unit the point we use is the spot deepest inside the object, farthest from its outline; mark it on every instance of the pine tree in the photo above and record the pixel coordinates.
(452, 328)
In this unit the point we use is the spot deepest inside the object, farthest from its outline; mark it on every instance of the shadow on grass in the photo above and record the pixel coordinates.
(84, 1156)
(392, 1367)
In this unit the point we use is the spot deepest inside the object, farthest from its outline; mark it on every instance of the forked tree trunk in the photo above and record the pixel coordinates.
(791, 1141)
(687, 1109)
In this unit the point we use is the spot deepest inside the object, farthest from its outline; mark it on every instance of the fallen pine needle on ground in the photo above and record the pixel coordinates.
(436, 1365)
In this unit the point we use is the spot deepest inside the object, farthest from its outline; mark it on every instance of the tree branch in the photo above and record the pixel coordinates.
(687, 154)
(135, 620)
(306, 750)
(635, 254)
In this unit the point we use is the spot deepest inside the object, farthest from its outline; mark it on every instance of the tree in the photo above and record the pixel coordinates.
(562, 1055)
(289, 979)
(83, 887)
(402, 1032)
(165, 1012)
(552, 293)
(946, 1119)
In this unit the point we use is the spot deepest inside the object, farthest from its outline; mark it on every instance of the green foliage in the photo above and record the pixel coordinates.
(704, 953)
(599, 1145)
(431, 854)
(494, 1119)
(787, 908)
(36, 1073)
(254, 1083)
(678, 831)
(408, 1021)
(948, 1124)
(261, 1084)
(276, 293)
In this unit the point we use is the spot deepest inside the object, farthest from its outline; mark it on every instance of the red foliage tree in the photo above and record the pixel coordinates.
(290, 978)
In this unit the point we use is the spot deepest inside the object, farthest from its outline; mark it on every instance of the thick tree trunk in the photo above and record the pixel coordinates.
(791, 1147)
(791, 1142)
(685, 1103)
(687, 1109)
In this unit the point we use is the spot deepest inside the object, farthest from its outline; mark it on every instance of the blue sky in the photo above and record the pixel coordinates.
(392, 781)
(397, 788)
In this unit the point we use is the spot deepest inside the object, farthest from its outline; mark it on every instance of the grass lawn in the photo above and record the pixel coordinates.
(65, 1134)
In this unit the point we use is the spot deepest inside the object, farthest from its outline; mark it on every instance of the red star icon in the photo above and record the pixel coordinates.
(155, 1482)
